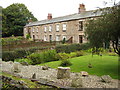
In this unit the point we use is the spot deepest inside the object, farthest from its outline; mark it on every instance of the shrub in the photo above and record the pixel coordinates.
(63, 41)
(62, 56)
(73, 54)
(42, 57)
(112, 54)
(23, 60)
(79, 53)
(67, 48)
(65, 63)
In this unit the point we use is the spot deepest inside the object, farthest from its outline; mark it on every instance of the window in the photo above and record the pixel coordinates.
(64, 27)
(80, 25)
(50, 28)
(33, 29)
(37, 29)
(57, 37)
(45, 29)
(57, 27)
(45, 38)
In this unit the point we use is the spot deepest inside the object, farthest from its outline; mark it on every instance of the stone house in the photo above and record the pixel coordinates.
(70, 27)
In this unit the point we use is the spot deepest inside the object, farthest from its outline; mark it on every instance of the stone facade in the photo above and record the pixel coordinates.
(71, 28)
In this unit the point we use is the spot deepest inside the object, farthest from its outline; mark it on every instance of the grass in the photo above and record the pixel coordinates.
(105, 65)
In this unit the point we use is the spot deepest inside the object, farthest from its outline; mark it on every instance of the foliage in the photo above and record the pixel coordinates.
(28, 36)
(45, 56)
(23, 60)
(14, 18)
(68, 48)
(62, 56)
(65, 63)
(11, 40)
(79, 53)
(11, 55)
(105, 29)
(105, 65)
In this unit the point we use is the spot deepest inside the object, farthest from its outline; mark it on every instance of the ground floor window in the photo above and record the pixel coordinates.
(57, 37)
(45, 38)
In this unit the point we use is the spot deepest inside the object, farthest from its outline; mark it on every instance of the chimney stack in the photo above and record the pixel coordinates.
(81, 8)
(49, 16)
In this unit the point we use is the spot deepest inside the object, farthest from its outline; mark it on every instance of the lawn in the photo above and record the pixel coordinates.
(101, 65)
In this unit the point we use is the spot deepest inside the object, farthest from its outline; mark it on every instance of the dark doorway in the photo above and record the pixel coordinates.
(50, 37)
(80, 39)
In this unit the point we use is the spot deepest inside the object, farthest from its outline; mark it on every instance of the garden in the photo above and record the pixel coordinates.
(79, 57)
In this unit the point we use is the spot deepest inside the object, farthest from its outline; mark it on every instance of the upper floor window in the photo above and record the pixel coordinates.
(64, 27)
(50, 28)
(80, 25)
(57, 27)
(45, 29)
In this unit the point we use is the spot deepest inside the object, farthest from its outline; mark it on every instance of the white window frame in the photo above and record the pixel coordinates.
(37, 29)
(57, 37)
(57, 27)
(45, 38)
(45, 28)
(50, 28)
(64, 27)
(33, 29)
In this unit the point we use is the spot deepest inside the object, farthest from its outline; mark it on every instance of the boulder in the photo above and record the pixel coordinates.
(106, 78)
(16, 67)
(84, 73)
(44, 67)
(77, 82)
(63, 72)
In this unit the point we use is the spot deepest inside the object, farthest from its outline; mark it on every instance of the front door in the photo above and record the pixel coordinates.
(80, 39)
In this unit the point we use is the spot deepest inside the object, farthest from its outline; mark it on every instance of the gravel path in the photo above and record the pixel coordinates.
(92, 81)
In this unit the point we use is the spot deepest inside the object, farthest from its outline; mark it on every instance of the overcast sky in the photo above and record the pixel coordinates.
(41, 8)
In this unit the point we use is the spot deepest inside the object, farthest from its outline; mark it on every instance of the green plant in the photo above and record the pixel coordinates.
(28, 36)
(23, 60)
(62, 56)
(65, 63)
(42, 57)
(79, 53)
(73, 54)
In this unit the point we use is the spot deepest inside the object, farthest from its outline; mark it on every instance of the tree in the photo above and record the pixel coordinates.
(105, 28)
(15, 17)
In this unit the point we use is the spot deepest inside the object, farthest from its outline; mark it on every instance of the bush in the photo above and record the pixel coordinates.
(62, 56)
(112, 54)
(79, 53)
(23, 61)
(65, 63)
(42, 57)
(68, 48)
(73, 54)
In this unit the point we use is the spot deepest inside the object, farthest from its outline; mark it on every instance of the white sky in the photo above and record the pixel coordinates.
(41, 8)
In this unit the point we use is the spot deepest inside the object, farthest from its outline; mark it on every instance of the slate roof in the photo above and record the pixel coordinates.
(76, 16)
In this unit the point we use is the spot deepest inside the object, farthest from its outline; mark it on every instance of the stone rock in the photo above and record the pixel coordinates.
(44, 68)
(34, 76)
(16, 67)
(24, 63)
(77, 82)
(10, 62)
(106, 78)
(84, 73)
(63, 72)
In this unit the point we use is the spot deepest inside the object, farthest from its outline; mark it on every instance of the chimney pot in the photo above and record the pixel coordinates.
(49, 16)
(81, 8)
